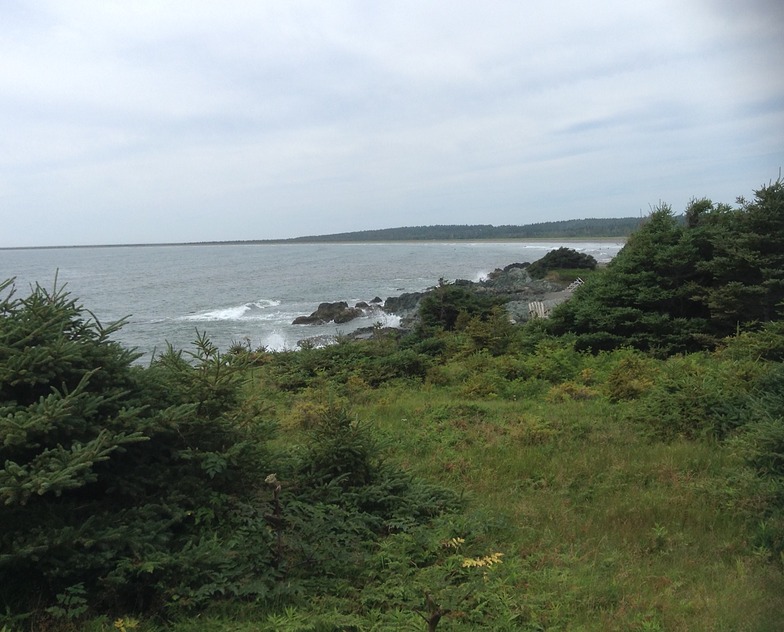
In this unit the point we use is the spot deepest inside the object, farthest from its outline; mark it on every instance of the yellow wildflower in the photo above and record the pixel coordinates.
(487, 560)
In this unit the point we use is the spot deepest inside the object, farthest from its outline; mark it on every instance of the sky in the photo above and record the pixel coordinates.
(191, 120)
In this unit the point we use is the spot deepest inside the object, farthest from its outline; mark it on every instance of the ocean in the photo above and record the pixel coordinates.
(250, 293)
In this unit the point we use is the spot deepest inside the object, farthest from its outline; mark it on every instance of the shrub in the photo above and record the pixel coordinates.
(404, 363)
(570, 391)
(132, 485)
(553, 361)
(631, 377)
(761, 444)
(493, 333)
(485, 384)
(341, 497)
(306, 413)
(441, 307)
(695, 395)
(767, 343)
(561, 258)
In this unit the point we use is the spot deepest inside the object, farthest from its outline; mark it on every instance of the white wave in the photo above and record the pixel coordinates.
(229, 313)
(257, 310)
(390, 320)
(275, 341)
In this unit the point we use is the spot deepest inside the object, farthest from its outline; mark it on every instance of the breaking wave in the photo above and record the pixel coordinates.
(257, 310)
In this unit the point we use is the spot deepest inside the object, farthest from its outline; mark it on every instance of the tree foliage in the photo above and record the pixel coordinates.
(126, 488)
(443, 306)
(120, 480)
(676, 288)
(590, 227)
(148, 490)
(563, 257)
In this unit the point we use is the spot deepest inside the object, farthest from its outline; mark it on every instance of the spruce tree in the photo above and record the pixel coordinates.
(746, 266)
(124, 484)
(643, 299)
(677, 288)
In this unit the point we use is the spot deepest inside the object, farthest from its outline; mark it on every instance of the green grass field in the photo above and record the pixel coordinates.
(604, 521)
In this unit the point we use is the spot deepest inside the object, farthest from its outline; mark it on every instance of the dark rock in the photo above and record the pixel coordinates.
(348, 314)
(518, 311)
(316, 342)
(507, 281)
(511, 285)
(338, 312)
(403, 303)
(306, 320)
(405, 306)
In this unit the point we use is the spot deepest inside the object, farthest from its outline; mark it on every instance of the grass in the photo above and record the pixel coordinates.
(604, 524)
(610, 529)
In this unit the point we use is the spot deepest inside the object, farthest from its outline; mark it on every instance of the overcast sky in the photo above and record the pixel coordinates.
(150, 121)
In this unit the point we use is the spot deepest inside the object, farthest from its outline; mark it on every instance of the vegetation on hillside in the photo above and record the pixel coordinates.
(617, 468)
(591, 228)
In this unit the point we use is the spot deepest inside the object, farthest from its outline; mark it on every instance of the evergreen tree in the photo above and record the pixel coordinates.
(677, 288)
(128, 485)
(746, 265)
(643, 299)
(442, 306)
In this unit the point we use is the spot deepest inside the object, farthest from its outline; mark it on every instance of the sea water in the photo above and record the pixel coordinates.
(250, 293)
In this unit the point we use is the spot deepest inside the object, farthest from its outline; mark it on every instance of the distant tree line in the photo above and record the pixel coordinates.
(571, 228)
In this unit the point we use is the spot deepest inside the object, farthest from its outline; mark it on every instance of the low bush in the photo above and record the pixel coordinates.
(441, 307)
(561, 258)
(632, 375)
(761, 444)
(697, 395)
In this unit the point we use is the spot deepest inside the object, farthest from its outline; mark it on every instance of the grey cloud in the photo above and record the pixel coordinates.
(353, 115)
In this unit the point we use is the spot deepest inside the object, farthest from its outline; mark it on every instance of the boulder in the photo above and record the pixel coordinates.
(404, 303)
(507, 281)
(348, 314)
(338, 312)
(405, 306)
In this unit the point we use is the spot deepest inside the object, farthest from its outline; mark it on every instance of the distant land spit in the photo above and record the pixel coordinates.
(579, 229)
(565, 229)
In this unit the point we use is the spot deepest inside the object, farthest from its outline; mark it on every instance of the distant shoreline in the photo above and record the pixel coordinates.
(563, 231)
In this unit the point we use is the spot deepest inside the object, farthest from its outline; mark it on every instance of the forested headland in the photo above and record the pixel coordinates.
(592, 228)
(617, 466)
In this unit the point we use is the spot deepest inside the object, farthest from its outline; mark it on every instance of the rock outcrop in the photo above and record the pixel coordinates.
(338, 312)
(404, 307)
(515, 287)
(511, 285)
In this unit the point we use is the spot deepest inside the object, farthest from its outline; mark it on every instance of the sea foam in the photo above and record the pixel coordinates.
(257, 310)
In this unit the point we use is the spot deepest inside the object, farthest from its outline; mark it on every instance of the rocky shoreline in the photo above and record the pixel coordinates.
(511, 285)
